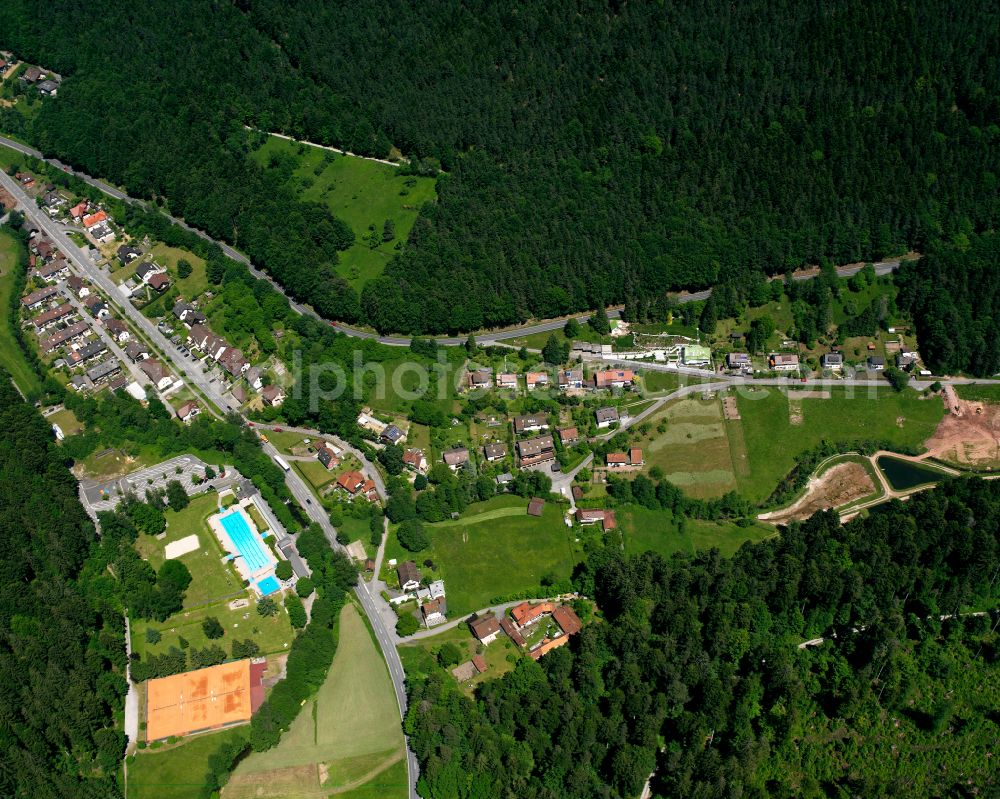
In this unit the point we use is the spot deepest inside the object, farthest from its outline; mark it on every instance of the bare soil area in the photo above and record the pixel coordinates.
(969, 434)
(838, 485)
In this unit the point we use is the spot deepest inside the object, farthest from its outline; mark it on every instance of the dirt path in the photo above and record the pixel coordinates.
(839, 485)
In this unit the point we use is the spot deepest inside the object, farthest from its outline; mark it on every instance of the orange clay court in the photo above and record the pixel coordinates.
(198, 700)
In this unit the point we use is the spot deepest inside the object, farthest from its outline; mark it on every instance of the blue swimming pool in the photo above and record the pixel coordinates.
(268, 586)
(250, 546)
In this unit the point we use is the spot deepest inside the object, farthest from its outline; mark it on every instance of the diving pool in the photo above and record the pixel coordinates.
(250, 546)
(268, 586)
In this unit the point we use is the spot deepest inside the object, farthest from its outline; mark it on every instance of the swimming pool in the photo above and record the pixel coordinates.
(268, 586)
(251, 548)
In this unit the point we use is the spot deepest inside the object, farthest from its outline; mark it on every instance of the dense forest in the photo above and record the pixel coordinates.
(953, 296)
(594, 152)
(62, 630)
(694, 670)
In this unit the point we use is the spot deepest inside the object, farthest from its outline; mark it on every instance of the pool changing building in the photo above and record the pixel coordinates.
(247, 549)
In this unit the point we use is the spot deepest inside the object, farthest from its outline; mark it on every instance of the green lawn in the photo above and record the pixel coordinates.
(176, 772)
(11, 357)
(485, 556)
(983, 393)
(772, 439)
(419, 658)
(194, 284)
(658, 530)
(66, 420)
(352, 726)
(360, 192)
(315, 473)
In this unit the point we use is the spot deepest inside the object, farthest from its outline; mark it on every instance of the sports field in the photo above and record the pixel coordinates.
(348, 737)
(359, 191)
(11, 357)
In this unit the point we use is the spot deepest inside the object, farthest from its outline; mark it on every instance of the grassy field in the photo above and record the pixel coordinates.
(315, 473)
(11, 357)
(657, 530)
(175, 772)
(775, 431)
(194, 284)
(350, 731)
(693, 451)
(485, 556)
(976, 393)
(66, 420)
(363, 193)
(419, 658)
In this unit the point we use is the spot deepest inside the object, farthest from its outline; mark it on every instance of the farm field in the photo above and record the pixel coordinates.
(175, 772)
(11, 357)
(360, 192)
(776, 428)
(693, 451)
(347, 737)
(657, 530)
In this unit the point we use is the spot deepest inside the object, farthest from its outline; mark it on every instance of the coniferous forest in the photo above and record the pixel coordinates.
(592, 152)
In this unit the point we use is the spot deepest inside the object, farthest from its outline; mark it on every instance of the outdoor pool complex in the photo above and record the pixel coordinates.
(253, 560)
(248, 544)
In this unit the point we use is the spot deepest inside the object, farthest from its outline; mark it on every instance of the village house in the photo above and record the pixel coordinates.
(79, 286)
(739, 362)
(536, 379)
(351, 481)
(504, 480)
(57, 339)
(905, 360)
(833, 361)
(234, 363)
(569, 624)
(52, 272)
(127, 254)
(158, 282)
(38, 298)
(188, 411)
(48, 88)
(272, 395)
(79, 210)
(783, 362)
(93, 220)
(479, 378)
(536, 450)
(606, 417)
(137, 351)
(409, 575)
(51, 317)
(486, 629)
(392, 435)
(103, 371)
(875, 363)
(415, 459)
(455, 457)
(433, 612)
(507, 380)
(495, 451)
(87, 352)
(570, 378)
(255, 378)
(327, 455)
(188, 314)
(531, 423)
(569, 435)
(118, 329)
(157, 373)
(588, 516)
(512, 632)
(526, 614)
(614, 378)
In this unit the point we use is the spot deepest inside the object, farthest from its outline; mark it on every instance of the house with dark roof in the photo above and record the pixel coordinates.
(783, 362)
(833, 361)
(485, 628)
(536, 450)
(455, 457)
(118, 329)
(570, 378)
(392, 435)
(272, 395)
(158, 282)
(137, 351)
(530, 423)
(158, 374)
(535, 506)
(875, 363)
(606, 417)
(409, 575)
(103, 371)
(60, 337)
(327, 455)
(569, 435)
(188, 411)
(415, 459)
(235, 364)
(127, 254)
(495, 451)
(51, 317)
(739, 362)
(37, 298)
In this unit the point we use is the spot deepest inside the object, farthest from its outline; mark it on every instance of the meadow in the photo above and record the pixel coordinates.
(175, 772)
(11, 357)
(659, 531)
(346, 737)
(363, 193)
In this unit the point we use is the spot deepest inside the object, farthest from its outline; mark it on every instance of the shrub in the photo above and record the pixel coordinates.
(296, 611)
(407, 625)
(212, 628)
(283, 571)
(449, 655)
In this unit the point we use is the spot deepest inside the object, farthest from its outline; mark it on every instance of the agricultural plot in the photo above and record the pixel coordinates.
(693, 450)
(363, 193)
(345, 739)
